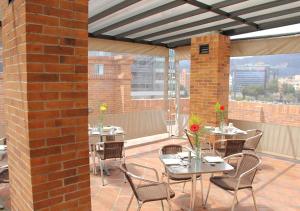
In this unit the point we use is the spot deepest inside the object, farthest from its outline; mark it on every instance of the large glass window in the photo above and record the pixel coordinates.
(272, 79)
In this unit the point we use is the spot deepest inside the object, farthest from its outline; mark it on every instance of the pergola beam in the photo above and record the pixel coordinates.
(198, 31)
(274, 14)
(140, 16)
(182, 27)
(262, 7)
(217, 18)
(112, 10)
(264, 26)
(221, 12)
(178, 17)
(109, 37)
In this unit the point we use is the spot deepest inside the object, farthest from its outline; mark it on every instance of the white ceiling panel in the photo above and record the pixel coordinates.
(210, 2)
(174, 24)
(245, 4)
(279, 18)
(193, 29)
(154, 18)
(271, 10)
(97, 6)
(134, 9)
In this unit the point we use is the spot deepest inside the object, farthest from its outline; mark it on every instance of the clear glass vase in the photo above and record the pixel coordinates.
(100, 127)
(198, 151)
(222, 126)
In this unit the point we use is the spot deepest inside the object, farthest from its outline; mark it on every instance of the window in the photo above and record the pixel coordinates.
(272, 79)
(99, 69)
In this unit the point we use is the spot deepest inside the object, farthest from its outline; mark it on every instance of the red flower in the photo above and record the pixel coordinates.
(222, 108)
(194, 128)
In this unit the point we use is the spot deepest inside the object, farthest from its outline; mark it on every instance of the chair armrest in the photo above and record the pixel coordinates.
(251, 130)
(146, 167)
(247, 172)
(4, 167)
(142, 179)
(250, 170)
(232, 156)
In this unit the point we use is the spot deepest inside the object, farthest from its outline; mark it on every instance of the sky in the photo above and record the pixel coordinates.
(276, 31)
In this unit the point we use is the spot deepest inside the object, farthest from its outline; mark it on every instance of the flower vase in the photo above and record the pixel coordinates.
(100, 127)
(198, 153)
(222, 126)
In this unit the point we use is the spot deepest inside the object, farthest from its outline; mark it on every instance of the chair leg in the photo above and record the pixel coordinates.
(94, 162)
(139, 206)
(130, 201)
(101, 169)
(162, 205)
(234, 199)
(254, 201)
(170, 206)
(183, 187)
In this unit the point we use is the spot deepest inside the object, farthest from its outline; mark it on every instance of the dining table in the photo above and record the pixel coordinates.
(230, 131)
(176, 165)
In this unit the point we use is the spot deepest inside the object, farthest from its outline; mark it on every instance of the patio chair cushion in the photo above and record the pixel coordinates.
(180, 177)
(154, 192)
(229, 183)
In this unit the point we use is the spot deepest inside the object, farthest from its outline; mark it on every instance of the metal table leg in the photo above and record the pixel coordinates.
(193, 194)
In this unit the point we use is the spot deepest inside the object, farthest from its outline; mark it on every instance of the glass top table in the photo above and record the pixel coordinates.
(193, 169)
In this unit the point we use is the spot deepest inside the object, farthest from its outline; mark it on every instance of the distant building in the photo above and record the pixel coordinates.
(147, 77)
(294, 81)
(251, 74)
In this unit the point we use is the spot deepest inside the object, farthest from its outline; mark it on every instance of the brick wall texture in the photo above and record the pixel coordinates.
(46, 95)
(209, 78)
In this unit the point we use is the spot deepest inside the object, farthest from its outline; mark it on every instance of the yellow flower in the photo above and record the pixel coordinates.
(103, 107)
(194, 120)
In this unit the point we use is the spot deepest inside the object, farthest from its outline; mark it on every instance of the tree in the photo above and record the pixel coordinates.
(297, 94)
(272, 86)
(287, 89)
(253, 91)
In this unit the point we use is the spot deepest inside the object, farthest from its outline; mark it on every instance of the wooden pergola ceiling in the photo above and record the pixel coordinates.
(172, 23)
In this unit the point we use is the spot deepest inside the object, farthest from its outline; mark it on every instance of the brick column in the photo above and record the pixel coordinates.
(209, 76)
(45, 64)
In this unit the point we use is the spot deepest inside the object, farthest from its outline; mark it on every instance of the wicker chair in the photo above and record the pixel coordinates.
(252, 142)
(109, 150)
(147, 190)
(3, 141)
(205, 144)
(231, 146)
(174, 149)
(242, 179)
(4, 178)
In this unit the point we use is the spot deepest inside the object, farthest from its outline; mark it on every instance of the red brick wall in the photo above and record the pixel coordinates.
(45, 60)
(2, 118)
(264, 112)
(209, 79)
(114, 86)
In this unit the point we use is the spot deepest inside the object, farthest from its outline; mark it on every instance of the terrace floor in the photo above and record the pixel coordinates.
(277, 186)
